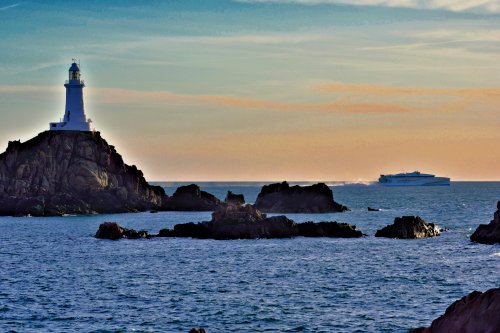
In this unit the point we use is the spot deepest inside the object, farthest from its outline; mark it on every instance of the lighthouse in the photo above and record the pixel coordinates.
(74, 115)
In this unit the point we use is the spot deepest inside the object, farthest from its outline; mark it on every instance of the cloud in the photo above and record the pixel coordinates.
(353, 99)
(9, 7)
(354, 104)
(379, 90)
(487, 6)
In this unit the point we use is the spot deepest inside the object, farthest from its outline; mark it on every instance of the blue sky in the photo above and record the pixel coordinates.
(265, 90)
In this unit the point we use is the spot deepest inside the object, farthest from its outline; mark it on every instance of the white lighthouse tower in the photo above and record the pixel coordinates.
(74, 116)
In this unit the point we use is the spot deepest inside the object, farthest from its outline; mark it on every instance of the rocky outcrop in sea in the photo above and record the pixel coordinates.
(488, 233)
(191, 198)
(283, 198)
(59, 173)
(247, 222)
(113, 231)
(408, 227)
(476, 312)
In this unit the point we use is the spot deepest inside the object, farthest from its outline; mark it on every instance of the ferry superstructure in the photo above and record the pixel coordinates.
(415, 178)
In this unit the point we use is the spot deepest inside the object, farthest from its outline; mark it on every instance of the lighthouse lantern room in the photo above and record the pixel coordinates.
(74, 115)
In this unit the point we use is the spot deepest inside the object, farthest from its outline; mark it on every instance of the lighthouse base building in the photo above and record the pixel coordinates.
(74, 116)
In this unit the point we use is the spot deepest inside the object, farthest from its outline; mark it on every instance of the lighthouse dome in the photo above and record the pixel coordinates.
(74, 67)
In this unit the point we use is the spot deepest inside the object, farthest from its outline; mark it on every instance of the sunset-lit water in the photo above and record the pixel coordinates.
(56, 277)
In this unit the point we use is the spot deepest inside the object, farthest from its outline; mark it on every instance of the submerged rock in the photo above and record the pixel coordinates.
(113, 231)
(247, 222)
(62, 172)
(476, 312)
(488, 233)
(408, 227)
(234, 199)
(191, 198)
(283, 198)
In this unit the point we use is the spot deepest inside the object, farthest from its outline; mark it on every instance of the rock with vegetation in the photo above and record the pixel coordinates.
(408, 227)
(488, 233)
(113, 231)
(62, 172)
(191, 198)
(476, 312)
(283, 198)
(234, 199)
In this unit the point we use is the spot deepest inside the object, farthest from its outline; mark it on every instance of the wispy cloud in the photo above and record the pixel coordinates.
(349, 98)
(488, 6)
(9, 7)
(354, 100)
(379, 90)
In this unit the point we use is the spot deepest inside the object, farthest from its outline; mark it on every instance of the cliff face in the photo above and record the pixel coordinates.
(71, 173)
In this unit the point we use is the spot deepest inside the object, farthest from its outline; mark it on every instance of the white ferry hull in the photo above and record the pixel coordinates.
(410, 181)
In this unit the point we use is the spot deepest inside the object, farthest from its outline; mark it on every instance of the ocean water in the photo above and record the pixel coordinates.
(56, 277)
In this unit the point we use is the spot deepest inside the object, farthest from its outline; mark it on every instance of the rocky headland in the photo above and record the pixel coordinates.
(283, 198)
(474, 313)
(59, 173)
(408, 227)
(488, 233)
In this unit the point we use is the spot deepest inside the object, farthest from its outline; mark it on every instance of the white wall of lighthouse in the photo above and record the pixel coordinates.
(74, 118)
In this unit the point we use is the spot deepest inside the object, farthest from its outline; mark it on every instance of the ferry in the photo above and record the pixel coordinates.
(413, 179)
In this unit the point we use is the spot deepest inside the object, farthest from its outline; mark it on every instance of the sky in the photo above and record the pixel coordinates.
(265, 90)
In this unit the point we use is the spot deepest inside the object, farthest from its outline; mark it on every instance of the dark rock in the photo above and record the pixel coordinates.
(59, 173)
(109, 230)
(370, 209)
(283, 198)
(197, 330)
(34, 206)
(191, 198)
(327, 229)
(246, 222)
(234, 199)
(408, 227)
(488, 233)
(113, 231)
(476, 312)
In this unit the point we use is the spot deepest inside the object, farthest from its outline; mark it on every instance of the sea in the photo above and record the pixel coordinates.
(56, 277)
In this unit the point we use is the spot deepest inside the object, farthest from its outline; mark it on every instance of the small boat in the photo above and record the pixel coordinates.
(413, 179)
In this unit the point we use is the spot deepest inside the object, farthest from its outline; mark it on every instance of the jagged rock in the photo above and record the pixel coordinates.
(191, 198)
(113, 231)
(328, 229)
(488, 233)
(62, 172)
(408, 227)
(246, 222)
(234, 199)
(283, 198)
(474, 313)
